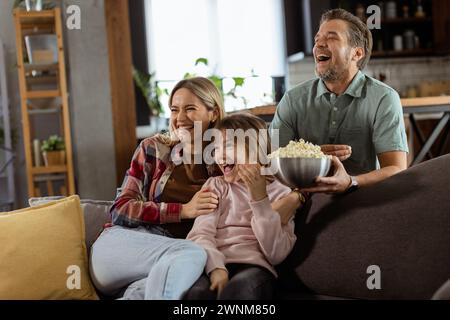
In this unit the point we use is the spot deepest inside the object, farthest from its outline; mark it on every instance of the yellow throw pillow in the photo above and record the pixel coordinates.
(43, 253)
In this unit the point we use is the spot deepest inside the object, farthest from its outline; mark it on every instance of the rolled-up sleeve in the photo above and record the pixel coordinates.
(275, 240)
(131, 208)
(389, 128)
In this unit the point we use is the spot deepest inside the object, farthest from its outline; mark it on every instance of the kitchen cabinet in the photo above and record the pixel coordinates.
(441, 14)
(417, 35)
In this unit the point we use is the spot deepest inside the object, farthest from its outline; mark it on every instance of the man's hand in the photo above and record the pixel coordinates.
(342, 151)
(338, 183)
(219, 279)
(255, 182)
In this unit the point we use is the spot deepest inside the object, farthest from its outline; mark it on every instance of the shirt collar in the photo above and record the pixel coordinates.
(354, 89)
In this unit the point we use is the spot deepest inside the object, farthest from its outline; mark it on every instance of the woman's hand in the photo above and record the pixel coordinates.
(219, 279)
(203, 202)
(287, 206)
(342, 151)
(255, 182)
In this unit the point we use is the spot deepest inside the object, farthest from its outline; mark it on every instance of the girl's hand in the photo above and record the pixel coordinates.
(287, 206)
(219, 279)
(255, 182)
(203, 202)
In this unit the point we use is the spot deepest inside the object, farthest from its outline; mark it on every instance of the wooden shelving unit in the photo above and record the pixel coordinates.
(34, 23)
(403, 53)
(406, 20)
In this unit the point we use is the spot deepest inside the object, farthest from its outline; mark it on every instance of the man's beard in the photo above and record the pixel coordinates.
(335, 73)
(330, 75)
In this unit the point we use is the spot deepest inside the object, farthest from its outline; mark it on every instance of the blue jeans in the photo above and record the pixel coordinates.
(158, 267)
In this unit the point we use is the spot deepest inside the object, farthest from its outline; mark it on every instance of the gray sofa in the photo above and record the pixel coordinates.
(401, 225)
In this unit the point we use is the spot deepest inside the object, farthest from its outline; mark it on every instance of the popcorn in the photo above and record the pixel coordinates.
(299, 149)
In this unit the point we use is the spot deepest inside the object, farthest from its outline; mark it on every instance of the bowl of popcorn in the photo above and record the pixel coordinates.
(300, 163)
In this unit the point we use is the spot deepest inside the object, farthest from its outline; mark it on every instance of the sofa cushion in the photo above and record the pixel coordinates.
(96, 215)
(43, 253)
(401, 225)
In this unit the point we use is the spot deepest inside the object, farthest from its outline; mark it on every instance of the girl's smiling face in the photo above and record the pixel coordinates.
(229, 155)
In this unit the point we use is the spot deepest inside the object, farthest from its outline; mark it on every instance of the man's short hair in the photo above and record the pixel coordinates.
(359, 34)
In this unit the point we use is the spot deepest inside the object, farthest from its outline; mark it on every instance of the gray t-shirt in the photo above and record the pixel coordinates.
(368, 116)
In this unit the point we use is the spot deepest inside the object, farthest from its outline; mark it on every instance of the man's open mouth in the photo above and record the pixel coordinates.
(322, 57)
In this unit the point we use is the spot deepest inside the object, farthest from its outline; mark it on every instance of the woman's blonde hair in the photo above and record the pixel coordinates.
(206, 91)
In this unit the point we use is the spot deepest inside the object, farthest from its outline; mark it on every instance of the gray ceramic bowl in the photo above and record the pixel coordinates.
(300, 172)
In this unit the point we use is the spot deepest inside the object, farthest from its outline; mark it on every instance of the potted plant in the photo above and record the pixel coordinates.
(149, 88)
(218, 81)
(53, 151)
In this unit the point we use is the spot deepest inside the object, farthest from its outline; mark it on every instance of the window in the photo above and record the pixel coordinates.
(239, 38)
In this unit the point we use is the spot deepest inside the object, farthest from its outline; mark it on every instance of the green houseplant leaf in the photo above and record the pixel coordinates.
(150, 90)
(201, 61)
(217, 81)
(238, 81)
(53, 143)
(188, 75)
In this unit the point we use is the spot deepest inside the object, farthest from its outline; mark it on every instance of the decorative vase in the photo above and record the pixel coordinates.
(33, 5)
(54, 158)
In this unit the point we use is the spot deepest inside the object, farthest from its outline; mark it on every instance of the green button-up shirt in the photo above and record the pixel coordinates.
(368, 116)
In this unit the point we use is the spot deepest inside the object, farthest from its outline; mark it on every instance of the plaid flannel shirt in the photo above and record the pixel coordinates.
(138, 202)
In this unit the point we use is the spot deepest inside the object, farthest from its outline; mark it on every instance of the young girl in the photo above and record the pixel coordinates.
(144, 250)
(244, 237)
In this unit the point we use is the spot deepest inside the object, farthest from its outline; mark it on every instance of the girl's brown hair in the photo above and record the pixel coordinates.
(247, 121)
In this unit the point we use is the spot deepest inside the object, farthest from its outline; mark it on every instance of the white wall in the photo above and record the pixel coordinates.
(90, 103)
(7, 33)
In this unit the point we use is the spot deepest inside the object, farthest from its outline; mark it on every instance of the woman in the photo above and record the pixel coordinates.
(158, 202)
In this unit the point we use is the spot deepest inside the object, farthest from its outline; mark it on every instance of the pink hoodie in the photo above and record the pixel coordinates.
(242, 230)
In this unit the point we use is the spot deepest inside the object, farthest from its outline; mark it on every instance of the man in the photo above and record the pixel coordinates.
(352, 116)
